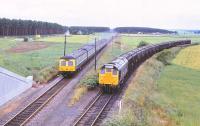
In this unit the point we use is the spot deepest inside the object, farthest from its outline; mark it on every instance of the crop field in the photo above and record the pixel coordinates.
(179, 88)
(189, 57)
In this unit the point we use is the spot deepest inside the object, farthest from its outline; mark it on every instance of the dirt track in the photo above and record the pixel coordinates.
(28, 46)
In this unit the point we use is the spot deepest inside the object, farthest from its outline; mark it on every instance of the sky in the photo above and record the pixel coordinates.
(167, 14)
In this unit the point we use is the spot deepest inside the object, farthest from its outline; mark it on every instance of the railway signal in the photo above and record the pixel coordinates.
(65, 43)
(95, 67)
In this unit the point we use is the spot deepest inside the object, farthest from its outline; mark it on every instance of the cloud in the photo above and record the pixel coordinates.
(152, 13)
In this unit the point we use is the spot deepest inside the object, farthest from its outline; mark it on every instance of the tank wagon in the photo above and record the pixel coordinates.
(72, 63)
(112, 75)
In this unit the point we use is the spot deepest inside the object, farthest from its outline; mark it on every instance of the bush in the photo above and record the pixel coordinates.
(90, 81)
(167, 55)
(45, 74)
(142, 43)
(196, 43)
(25, 39)
(163, 57)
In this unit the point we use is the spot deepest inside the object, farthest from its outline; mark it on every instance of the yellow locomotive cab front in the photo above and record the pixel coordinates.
(67, 65)
(108, 76)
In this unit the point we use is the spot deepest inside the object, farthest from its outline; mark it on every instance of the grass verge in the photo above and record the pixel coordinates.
(138, 107)
(89, 82)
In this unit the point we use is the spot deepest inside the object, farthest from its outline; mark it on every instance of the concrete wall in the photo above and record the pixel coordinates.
(12, 85)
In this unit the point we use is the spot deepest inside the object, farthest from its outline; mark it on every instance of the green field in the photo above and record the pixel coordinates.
(134, 40)
(179, 88)
(70, 39)
(179, 94)
(38, 61)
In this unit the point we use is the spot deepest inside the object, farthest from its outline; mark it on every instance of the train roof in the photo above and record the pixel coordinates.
(82, 50)
(122, 59)
(117, 63)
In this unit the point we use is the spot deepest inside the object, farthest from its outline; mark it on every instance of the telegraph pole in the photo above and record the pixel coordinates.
(65, 44)
(95, 62)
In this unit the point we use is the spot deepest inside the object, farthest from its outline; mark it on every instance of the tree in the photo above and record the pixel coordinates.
(27, 27)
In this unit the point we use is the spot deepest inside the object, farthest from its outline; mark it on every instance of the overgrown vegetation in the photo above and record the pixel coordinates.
(45, 74)
(138, 108)
(79, 91)
(166, 57)
(88, 82)
(142, 43)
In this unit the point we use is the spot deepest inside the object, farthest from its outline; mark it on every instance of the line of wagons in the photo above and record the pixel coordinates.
(112, 75)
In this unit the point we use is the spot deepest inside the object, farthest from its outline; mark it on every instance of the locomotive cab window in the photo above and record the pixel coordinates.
(63, 63)
(70, 63)
(102, 71)
(114, 72)
(108, 70)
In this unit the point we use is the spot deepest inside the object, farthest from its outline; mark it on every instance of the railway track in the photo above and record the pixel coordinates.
(93, 113)
(34, 107)
(29, 111)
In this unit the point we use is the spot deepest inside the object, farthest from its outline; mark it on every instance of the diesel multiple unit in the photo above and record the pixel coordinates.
(113, 74)
(73, 62)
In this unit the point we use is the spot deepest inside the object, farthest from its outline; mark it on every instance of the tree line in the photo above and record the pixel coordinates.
(87, 30)
(19, 27)
(144, 30)
(15, 27)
